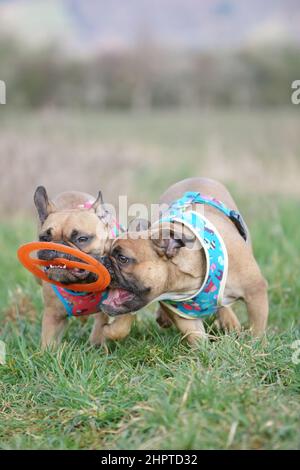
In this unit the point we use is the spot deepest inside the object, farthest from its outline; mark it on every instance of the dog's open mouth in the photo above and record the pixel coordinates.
(55, 271)
(117, 297)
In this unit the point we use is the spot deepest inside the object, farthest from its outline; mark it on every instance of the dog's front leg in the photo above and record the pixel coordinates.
(53, 326)
(119, 328)
(193, 330)
(97, 336)
(227, 320)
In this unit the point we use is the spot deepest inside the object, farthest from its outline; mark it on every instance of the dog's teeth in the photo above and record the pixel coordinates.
(58, 266)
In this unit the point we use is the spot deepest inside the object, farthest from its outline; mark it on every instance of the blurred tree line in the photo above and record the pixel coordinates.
(148, 76)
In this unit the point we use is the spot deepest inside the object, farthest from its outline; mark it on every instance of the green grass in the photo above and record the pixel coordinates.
(151, 390)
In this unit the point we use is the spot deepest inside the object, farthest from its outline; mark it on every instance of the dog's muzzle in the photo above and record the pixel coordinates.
(106, 261)
(49, 255)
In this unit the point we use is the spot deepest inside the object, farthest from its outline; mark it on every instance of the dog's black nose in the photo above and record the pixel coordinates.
(106, 261)
(46, 255)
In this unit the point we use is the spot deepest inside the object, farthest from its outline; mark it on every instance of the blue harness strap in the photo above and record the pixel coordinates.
(63, 300)
(197, 198)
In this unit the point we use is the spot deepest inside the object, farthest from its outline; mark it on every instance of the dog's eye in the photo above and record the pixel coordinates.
(45, 238)
(122, 259)
(82, 239)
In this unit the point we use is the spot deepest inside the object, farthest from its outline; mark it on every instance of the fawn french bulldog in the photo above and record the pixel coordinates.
(203, 265)
(78, 220)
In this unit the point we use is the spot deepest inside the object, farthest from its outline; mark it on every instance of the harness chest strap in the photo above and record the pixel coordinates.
(79, 304)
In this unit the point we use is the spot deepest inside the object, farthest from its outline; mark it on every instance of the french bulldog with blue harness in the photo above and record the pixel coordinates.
(196, 261)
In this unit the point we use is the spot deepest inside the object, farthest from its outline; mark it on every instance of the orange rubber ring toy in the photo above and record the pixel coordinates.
(35, 265)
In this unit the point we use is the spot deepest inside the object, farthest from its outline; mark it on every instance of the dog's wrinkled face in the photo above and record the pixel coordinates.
(143, 267)
(132, 273)
(78, 228)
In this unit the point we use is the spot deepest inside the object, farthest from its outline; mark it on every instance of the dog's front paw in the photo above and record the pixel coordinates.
(98, 341)
(227, 320)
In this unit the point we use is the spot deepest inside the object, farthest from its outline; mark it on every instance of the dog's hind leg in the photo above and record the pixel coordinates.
(256, 298)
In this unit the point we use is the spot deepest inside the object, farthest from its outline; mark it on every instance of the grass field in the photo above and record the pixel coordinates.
(151, 390)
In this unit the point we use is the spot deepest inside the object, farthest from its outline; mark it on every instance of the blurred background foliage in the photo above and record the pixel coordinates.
(148, 76)
(132, 95)
(143, 54)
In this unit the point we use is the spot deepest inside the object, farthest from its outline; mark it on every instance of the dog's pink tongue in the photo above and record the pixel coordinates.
(116, 297)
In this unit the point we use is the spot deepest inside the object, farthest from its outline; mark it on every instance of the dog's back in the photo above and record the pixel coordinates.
(207, 187)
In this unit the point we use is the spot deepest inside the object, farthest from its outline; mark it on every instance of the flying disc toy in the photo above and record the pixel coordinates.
(37, 266)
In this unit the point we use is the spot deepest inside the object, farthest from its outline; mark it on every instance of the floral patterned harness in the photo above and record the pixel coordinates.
(209, 297)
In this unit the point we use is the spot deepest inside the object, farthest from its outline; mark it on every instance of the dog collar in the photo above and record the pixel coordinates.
(209, 298)
(79, 304)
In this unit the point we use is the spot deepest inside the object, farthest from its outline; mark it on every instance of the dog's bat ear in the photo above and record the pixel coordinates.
(168, 242)
(138, 225)
(42, 203)
(99, 207)
(98, 202)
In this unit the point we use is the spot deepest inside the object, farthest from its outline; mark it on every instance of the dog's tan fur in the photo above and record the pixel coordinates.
(62, 215)
(184, 271)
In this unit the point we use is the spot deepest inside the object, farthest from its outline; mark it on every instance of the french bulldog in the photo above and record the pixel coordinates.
(146, 266)
(80, 221)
